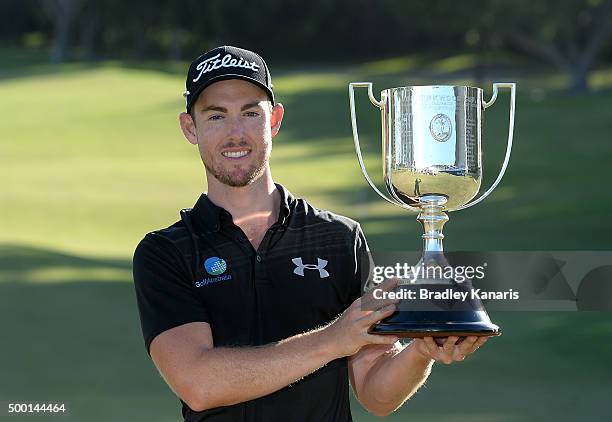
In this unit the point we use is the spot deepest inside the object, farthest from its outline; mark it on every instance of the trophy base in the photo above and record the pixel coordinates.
(418, 324)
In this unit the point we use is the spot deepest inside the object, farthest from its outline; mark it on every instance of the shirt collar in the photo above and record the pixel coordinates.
(285, 204)
(210, 217)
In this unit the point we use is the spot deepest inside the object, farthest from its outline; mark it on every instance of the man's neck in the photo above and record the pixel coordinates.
(255, 204)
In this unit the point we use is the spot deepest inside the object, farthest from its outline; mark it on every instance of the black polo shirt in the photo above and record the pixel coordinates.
(303, 275)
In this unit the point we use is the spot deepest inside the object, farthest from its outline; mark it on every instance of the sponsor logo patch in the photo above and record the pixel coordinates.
(215, 267)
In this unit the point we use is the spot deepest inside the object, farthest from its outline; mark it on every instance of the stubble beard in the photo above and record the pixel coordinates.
(245, 178)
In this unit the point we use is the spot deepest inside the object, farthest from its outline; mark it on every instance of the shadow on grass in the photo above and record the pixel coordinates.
(20, 257)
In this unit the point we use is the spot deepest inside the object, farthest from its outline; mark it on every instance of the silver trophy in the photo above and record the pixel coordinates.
(432, 164)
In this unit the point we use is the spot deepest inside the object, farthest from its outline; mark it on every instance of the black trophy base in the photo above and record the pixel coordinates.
(418, 324)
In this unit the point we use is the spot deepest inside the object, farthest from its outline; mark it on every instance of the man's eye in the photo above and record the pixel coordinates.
(215, 117)
(251, 114)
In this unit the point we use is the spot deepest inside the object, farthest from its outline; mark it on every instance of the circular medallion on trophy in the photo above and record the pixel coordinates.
(440, 127)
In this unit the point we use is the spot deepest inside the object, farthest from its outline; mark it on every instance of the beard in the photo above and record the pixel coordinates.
(236, 177)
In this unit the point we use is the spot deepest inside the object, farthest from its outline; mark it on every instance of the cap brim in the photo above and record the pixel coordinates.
(193, 97)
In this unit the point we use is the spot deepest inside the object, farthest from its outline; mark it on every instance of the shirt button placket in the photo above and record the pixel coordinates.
(259, 268)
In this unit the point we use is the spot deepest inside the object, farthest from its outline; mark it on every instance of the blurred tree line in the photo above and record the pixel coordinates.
(571, 35)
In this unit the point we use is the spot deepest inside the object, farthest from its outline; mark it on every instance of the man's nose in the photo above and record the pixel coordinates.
(236, 129)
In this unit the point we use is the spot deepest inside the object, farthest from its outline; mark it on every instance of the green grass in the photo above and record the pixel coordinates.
(91, 158)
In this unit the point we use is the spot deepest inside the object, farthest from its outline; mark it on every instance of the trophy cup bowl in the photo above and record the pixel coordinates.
(432, 164)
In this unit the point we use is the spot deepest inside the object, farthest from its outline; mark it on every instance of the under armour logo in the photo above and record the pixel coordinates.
(299, 267)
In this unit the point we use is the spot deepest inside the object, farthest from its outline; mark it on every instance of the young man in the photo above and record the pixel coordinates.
(239, 300)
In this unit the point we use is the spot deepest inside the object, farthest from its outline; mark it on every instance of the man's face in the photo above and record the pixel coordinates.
(234, 127)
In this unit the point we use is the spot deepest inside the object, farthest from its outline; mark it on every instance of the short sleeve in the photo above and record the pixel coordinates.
(164, 292)
(363, 264)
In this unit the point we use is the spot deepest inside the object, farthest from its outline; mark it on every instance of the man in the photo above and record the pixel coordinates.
(239, 300)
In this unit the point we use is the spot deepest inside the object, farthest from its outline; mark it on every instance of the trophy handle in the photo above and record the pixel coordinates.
(512, 87)
(380, 105)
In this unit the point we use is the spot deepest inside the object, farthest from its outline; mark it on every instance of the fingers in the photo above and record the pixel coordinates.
(381, 339)
(376, 304)
(449, 345)
(371, 303)
(386, 286)
(454, 348)
(481, 340)
(471, 344)
(374, 317)
(466, 347)
(445, 353)
(432, 349)
(389, 284)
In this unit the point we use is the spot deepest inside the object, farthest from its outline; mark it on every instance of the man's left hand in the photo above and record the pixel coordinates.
(451, 351)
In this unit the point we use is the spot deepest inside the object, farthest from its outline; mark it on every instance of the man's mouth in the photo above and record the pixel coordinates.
(236, 153)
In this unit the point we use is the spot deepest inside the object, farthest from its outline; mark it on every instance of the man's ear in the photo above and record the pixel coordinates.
(188, 127)
(278, 111)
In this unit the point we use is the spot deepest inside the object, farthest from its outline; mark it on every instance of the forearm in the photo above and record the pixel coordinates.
(393, 379)
(225, 376)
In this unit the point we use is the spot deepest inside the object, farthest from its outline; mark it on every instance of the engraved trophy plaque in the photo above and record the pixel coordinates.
(432, 164)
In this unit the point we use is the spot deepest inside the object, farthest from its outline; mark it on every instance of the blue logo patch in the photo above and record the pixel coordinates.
(215, 266)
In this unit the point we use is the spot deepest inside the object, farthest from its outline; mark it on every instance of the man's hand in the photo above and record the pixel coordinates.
(451, 350)
(349, 333)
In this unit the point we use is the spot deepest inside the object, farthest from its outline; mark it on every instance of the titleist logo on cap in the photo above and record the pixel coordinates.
(213, 63)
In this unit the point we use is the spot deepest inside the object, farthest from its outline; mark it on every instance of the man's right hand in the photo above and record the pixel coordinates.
(349, 332)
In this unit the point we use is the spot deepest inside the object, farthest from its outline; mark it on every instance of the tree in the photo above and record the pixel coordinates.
(570, 34)
(63, 14)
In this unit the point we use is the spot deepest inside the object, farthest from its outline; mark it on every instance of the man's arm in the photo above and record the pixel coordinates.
(385, 376)
(206, 377)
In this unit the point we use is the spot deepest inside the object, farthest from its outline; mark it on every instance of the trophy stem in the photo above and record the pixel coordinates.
(433, 218)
